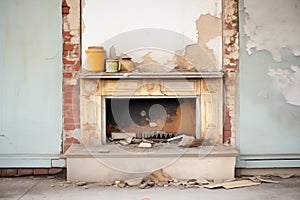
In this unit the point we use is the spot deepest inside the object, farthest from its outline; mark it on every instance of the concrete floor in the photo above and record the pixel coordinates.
(50, 188)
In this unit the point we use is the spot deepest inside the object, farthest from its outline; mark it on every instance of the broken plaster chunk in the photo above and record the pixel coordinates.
(121, 136)
(136, 141)
(145, 145)
(186, 141)
(129, 140)
(134, 181)
(123, 142)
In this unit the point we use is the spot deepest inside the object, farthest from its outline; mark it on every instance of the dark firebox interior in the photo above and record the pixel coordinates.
(171, 115)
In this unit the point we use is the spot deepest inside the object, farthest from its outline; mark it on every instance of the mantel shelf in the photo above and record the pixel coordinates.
(136, 75)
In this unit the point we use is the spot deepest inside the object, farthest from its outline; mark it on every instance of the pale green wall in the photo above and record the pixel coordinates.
(31, 81)
(267, 123)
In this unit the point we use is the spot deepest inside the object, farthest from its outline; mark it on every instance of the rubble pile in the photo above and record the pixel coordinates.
(150, 139)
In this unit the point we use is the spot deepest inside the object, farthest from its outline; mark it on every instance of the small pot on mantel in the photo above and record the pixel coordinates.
(126, 63)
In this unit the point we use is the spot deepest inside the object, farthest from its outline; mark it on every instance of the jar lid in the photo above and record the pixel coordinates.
(95, 49)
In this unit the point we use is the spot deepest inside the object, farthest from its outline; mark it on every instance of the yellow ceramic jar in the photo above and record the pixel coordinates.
(95, 59)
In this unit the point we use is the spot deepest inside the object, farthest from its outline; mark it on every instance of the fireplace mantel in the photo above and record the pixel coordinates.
(135, 75)
(205, 87)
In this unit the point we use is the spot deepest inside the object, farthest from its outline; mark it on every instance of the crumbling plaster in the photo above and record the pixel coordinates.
(288, 83)
(71, 22)
(199, 21)
(273, 27)
(274, 30)
(230, 62)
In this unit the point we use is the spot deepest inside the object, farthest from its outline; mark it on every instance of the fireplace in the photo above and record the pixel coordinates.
(175, 103)
(188, 103)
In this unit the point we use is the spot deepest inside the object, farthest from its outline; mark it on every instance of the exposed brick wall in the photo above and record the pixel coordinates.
(71, 62)
(230, 61)
(27, 172)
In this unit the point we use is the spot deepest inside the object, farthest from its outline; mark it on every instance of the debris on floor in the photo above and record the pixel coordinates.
(262, 179)
(145, 145)
(233, 184)
(160, 178)
(160, 175)
(134, 181)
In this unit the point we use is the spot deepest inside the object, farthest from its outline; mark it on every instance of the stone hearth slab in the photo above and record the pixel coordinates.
(113, 162)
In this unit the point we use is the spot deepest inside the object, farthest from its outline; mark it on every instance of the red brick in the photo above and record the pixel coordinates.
(9, 172)
(70, 114)
(68, 75)
(227, 133)
(68, 101)
(227, 127)
(68, 107)
(67, 33)
(66, 147)
(66, 53)
(69, 121)
(69, 62)
(69, 127)
(65, 10)
(69, 47)
(68, 88)
(71, 141)
(55, 170)
(40, 171)
(64, 3)
(23, 172)
(77, 66)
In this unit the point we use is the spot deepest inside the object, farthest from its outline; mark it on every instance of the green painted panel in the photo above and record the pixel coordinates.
(31, 77)
(267, 123)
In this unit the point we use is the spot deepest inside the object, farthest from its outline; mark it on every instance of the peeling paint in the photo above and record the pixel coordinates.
(288, 83)
(274, 29)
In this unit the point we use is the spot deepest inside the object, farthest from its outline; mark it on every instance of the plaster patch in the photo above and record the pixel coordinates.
(273, 27)
(209, 30)
(216, 45)
(73, 134)
(288, 83)
(72, 21)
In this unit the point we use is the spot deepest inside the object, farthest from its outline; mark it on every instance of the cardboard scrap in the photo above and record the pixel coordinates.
(266, 180)
(285, 176)
(232, 184)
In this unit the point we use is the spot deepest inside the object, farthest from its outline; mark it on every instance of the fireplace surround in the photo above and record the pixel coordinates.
(204, 88)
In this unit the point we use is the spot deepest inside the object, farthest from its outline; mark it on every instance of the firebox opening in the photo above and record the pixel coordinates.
(143, 116)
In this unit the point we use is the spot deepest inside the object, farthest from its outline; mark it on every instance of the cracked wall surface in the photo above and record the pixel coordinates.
(269, 79)
(273, 27)
(163, 40)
